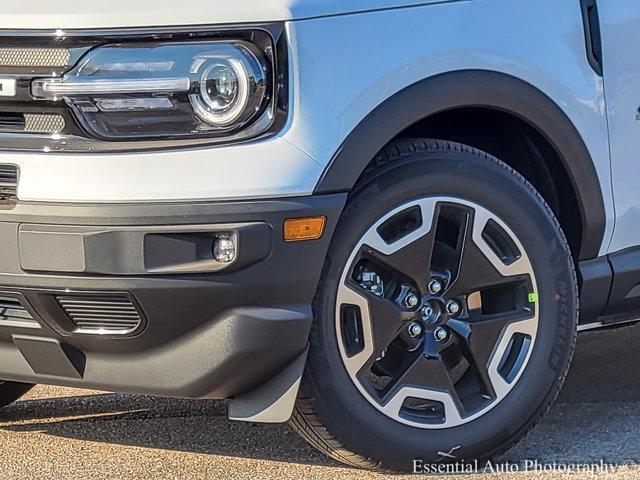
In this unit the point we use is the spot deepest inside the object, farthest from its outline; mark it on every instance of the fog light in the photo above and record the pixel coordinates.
(225, 249)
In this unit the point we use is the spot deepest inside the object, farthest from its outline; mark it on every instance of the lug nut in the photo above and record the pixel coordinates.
(440, 334)
(453, 307)
(411, 300)
(435, 286)
(415, 329)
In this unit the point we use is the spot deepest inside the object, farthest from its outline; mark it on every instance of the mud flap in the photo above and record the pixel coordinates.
(274, 401)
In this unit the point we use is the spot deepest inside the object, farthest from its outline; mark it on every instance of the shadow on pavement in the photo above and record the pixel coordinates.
(596, 417)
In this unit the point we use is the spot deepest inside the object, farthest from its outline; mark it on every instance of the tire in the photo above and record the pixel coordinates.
(12, 391)
(335, 412)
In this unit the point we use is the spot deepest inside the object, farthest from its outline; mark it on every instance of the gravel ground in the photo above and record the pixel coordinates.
(58, 433)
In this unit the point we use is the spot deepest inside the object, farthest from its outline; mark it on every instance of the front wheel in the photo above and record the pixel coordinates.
(446, 315)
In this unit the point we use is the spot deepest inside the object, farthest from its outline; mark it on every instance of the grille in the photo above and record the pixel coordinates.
(13, 314)
(41, 123)
(8, 175)
(101, 314)
(11, 121)
(34, 57)
(8, 183)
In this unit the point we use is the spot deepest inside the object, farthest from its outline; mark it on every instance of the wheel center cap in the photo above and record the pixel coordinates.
(433, 311)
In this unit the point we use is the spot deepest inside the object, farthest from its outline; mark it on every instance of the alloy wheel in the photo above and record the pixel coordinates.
(437, 312)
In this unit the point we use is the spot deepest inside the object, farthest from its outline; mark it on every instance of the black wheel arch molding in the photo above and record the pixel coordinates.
(475, 88)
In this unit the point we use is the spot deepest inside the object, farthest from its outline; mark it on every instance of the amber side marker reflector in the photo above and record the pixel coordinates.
(296, 229)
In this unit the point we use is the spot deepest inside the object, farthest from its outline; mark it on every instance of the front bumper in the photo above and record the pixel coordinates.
(205, 334)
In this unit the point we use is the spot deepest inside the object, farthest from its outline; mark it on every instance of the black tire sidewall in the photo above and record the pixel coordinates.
(475, 177)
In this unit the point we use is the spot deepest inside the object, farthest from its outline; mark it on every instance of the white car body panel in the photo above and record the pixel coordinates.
(332, 88)
(166, 176)
(621, 27)
(73, 14)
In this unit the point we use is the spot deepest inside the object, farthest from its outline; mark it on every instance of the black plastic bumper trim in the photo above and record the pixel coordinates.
(50, 357)
(237, 353)
(208, 334)
(150, 250)
(594, 277)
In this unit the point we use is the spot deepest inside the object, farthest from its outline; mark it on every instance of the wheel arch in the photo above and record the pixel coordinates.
(484, 89)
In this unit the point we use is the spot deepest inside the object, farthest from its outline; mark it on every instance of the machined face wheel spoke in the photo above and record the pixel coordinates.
(402, 241)
(381, 322)
(424, 368)
(481, 337)
(412, 261)
(451, 231)
(476, 273)
(427, 373)
(386, 319)
(489, 257)
(448, 310)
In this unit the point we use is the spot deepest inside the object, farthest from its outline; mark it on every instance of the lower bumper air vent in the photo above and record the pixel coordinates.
(8, 184)
(14, 314)
(113, 314)
(12, 122)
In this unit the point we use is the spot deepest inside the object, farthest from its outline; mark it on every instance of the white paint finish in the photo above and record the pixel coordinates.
(620, 20)
(256, 170)
(341, 68)
(72, 14)
(349, 74)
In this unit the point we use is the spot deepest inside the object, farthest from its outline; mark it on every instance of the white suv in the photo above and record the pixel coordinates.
(374, 219)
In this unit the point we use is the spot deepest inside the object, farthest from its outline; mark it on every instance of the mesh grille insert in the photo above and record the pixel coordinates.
(43, 123)
(34, 57)
(101, 314)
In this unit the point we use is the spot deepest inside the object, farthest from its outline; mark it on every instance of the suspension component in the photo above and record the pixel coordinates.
(371, 281)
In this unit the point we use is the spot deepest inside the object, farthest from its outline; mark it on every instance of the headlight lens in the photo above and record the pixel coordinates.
(165, 90)
(223, 91)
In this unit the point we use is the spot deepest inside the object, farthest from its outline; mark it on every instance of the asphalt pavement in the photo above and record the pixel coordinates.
(57, 433)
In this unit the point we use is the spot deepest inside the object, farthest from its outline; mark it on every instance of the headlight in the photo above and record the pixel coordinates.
(165, 90)
(223, 90)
